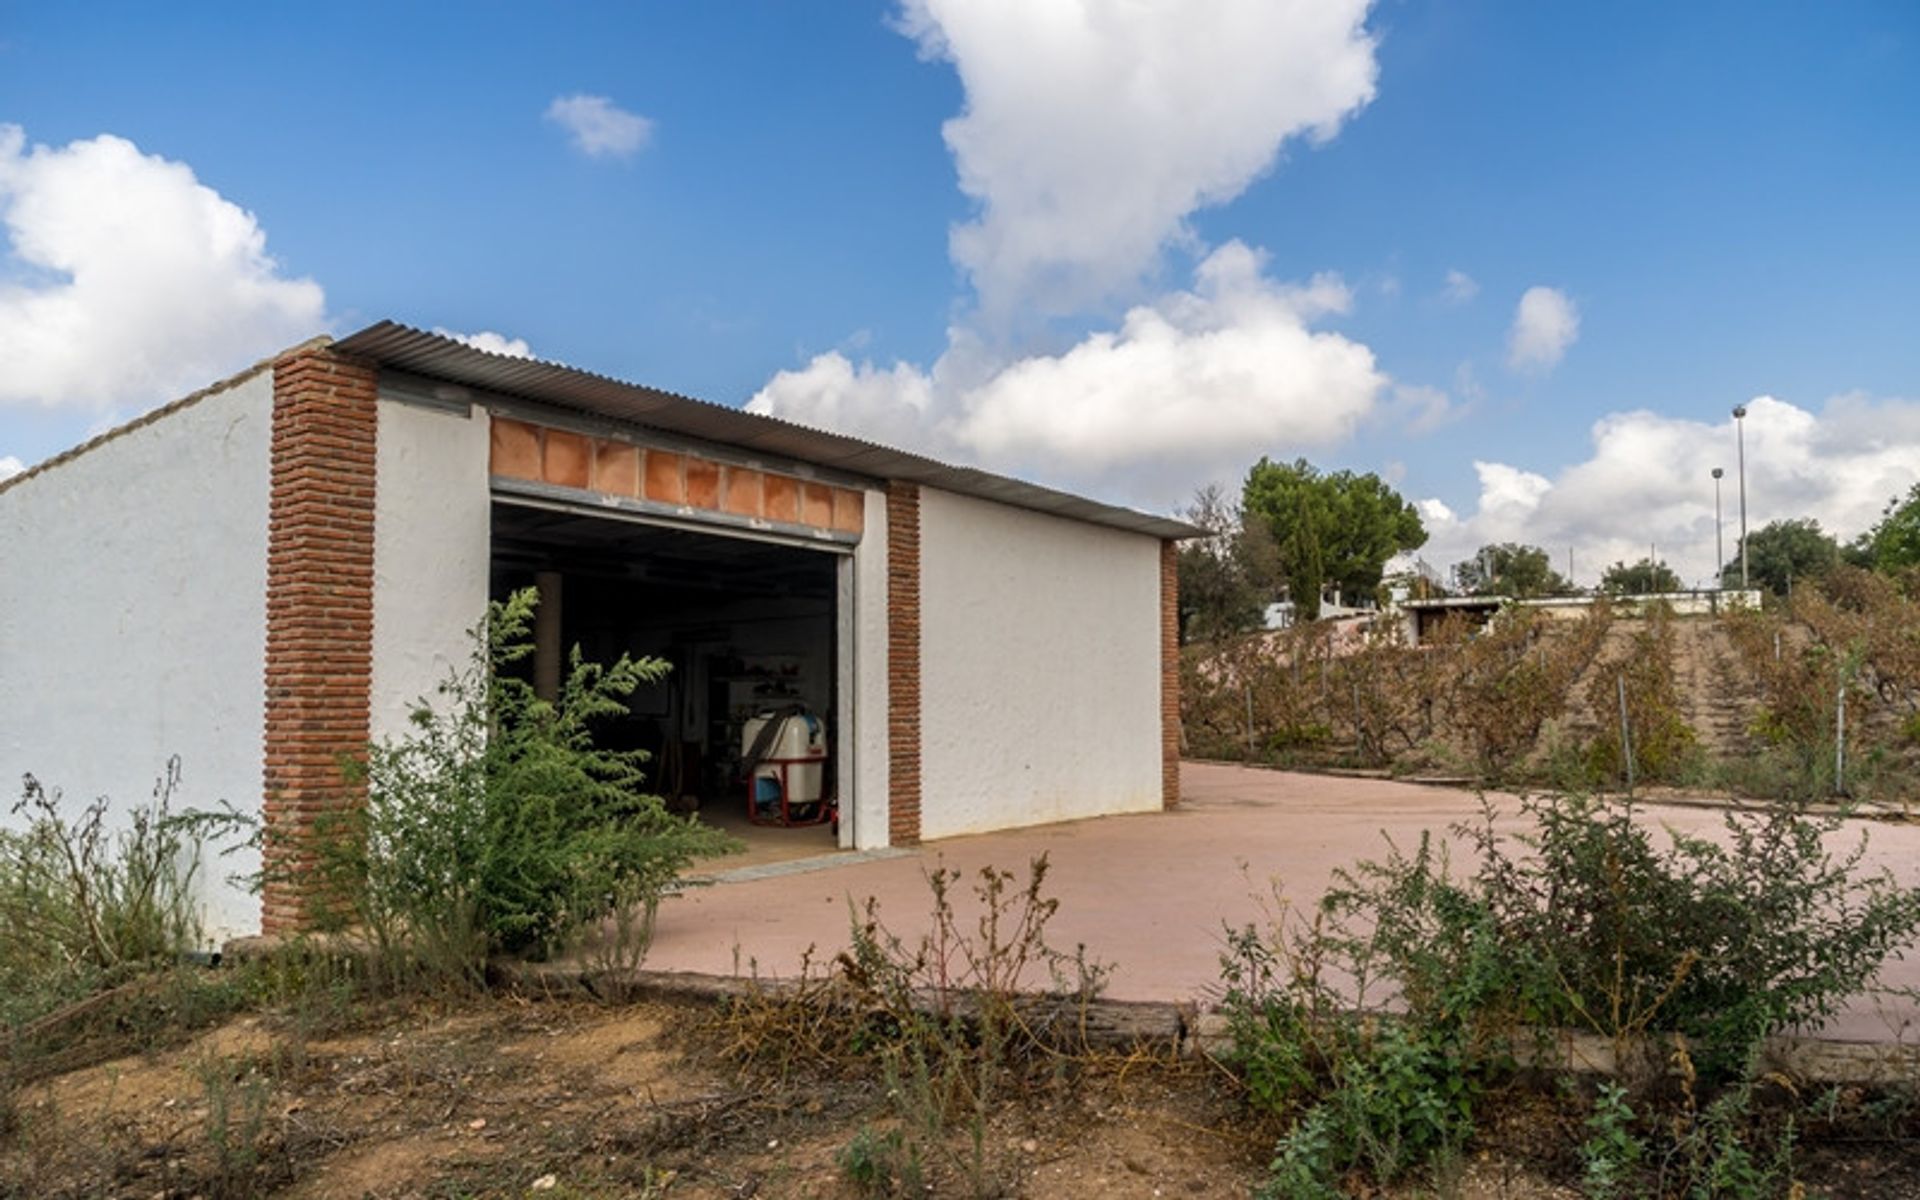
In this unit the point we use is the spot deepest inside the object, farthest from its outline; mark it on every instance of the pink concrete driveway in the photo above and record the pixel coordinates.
(1151, 893)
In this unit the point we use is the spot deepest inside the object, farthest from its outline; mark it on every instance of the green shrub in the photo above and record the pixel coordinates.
(498, 825)
(1374, 1094)
(1725, 942)
(1376, 1028)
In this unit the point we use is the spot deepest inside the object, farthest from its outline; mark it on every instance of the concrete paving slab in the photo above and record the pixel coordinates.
(1152, 893)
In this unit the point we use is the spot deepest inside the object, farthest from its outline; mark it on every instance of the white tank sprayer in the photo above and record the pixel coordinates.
(783, 754)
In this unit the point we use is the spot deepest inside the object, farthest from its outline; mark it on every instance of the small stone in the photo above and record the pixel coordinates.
(545, 1183)
(773, 1143)
(477, 1124)
(1029, 1146)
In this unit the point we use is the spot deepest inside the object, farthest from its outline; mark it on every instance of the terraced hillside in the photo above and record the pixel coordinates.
(1744, 701)
(1716, 699)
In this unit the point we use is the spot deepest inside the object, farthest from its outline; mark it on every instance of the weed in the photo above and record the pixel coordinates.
(1304, 1163)
(954, 1023)
(84, 908)
(1727, 1148)
(882, 1164)
(498, 825)
(1612, 1154)
(94, 926)
(235, 1126)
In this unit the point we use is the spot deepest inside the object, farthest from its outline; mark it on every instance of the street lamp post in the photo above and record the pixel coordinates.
(1719, 544)
(1740, 437)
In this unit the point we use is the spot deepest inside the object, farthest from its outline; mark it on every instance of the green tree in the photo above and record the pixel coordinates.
(1782, 551)
(1642, 578)
(1338, 528)
(1510, 569)
(1228, 577)
(1894, 542)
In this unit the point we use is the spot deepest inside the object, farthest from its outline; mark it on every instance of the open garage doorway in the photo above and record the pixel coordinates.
(748, 728)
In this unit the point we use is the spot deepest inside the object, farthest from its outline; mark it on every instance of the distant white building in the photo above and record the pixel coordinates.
(1418, 617)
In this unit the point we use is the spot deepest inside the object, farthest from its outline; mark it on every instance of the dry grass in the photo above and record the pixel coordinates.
(488, 1095)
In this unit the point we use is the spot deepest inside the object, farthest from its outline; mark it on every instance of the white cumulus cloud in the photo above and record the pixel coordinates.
(1093, 128)
(491, 342)
(894, 405)
(1545, 323)
(1460, 287)
(1192, 386)
(10, 466)
(1648, 483)
(598, 127)
(1091, 131)
(128, 281)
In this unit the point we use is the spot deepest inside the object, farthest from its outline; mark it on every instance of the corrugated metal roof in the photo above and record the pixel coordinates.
(406, 349)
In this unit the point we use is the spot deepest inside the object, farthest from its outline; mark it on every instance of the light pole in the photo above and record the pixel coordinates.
(1719, 544)
(1740, 437)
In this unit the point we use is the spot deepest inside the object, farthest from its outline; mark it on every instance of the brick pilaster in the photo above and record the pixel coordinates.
(319, 664)
(1169, 673)
(903, 663)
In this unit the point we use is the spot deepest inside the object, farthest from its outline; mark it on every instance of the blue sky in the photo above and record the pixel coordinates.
(1721, 199)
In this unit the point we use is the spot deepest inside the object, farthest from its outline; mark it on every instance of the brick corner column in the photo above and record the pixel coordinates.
(903, 663)
(1169, 673)
(319, 660)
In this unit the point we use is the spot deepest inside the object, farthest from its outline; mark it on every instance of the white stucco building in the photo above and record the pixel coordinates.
(261, 577)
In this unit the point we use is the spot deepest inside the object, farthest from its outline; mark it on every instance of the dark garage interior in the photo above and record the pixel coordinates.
(749, 628)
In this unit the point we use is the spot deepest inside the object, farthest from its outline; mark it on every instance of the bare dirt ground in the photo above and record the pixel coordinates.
(516, 1097)
(509, 1096)
(1717, 700)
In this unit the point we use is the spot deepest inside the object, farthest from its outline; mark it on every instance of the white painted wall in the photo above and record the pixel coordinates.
(432, 541)
(1040, 667)
(868, 710)
(133, 623)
